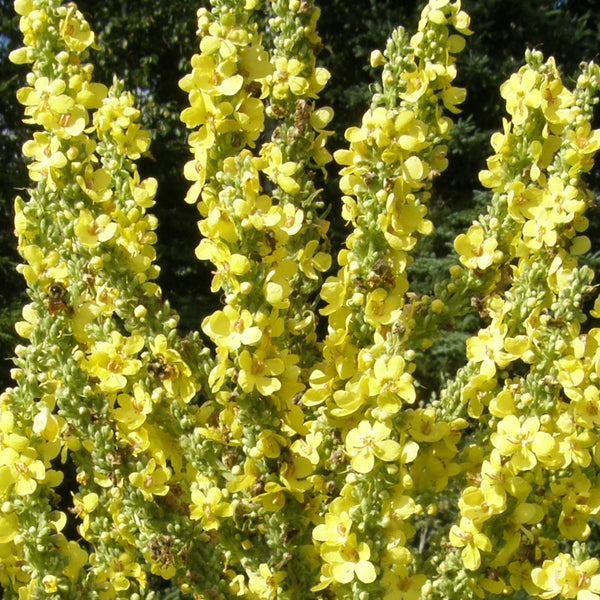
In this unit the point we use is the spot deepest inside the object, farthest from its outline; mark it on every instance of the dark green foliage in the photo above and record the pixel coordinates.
(14, 178)
(350, 31)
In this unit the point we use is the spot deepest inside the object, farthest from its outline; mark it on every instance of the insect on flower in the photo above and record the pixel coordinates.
(161, 369)
(56, 300)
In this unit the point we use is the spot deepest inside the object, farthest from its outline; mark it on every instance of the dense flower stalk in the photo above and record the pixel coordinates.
(101, 371)
(532, 489)
(263, 232)
(365, 383)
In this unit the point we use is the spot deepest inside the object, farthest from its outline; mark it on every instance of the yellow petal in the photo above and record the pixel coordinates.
(365, 571)
(471, 557)
(543, 443)
(413, 168)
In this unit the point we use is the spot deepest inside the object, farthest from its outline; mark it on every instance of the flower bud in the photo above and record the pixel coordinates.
(140, 311)
(377, 59)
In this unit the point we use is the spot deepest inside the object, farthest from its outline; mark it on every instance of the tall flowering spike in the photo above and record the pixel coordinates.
(225, 89)
(102, 370)
(365, 382)
(298, 145)
(529, 379)
(263, 232)
(386, 178)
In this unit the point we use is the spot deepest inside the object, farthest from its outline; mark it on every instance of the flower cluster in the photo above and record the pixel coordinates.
(262, 231)
(103, 367)
(280, 465)
(364, 386)
(530, 377)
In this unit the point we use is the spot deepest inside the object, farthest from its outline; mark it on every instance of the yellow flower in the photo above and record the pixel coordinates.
(471, 540)
(92, 231)
(111, 362)
(9, 528)
(257, 371)
(540, 232)
(351, 561)
(308, 447)
(96, 183)
(50, 583)
(229, 266)
(367, 441)
(524, 443)
(88, 94)
(348, 400)
(277, 171)
(210, 507)
(497, 479)
(487, 348)
(382, 307)
(212, 116)
(291, 220)
(556, 98)
(75, 31)
(122, 568)
(400, 508)
(565, 577)
(231, 329)
(583, 143)
(573, 447)
(586, 407)
(521, 93)
(47, 425)
(579, 501)
(77, 556)
(416, 84)
(132, 410)
(133, 141)
(310, 261)
(22, 469)
(524, 202)
(83, 507)
(400, 585)
(48, 106)
(335, 531)
(475, 249)
(152, 480)
(391, 384)
(269, 444)
(473, 506)
(249, 115)
(143, 191)
(265, 583)
(171, 370)
(287, 78)
(277, 287)
(49, 158)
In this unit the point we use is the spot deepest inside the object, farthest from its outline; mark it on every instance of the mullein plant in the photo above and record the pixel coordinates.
(363, 388)
(101, 380)
(276, 464)
(531, 377)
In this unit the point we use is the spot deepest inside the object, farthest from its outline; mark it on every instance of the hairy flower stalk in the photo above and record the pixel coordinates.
(528, 375)
(101, 372)
(365, 381)
(263, 232)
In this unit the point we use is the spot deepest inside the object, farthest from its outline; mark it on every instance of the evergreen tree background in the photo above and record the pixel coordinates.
(148, 44)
